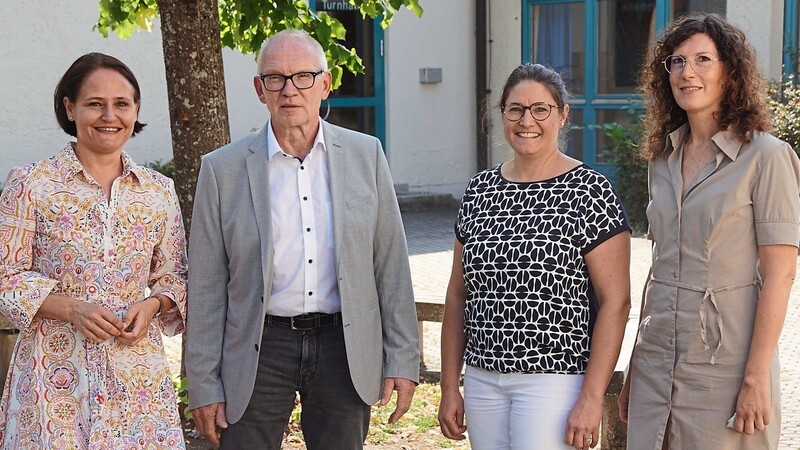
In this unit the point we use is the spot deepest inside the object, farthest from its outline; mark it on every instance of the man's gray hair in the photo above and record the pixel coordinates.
(292, 33)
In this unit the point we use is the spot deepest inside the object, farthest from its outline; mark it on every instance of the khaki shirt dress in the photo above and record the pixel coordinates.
(697, 323)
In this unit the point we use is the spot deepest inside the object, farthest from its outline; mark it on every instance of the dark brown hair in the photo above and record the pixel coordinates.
(743, 108)
(548, 78)
(72, 81)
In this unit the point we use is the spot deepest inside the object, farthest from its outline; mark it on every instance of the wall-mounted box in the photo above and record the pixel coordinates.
(430, 75)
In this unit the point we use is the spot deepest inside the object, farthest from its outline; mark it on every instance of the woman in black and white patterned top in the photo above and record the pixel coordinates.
(520, 307)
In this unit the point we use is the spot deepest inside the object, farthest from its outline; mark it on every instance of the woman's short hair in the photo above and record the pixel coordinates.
(743, 108)
(548, 78)
(72, 81)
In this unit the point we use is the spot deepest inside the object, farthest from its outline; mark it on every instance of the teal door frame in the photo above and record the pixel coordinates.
(790, 37)
(378, 100)
(590, 102)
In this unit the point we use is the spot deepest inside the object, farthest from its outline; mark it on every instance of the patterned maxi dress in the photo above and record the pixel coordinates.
(59, 234)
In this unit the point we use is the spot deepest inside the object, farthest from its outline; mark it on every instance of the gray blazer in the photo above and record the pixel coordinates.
(231, 260)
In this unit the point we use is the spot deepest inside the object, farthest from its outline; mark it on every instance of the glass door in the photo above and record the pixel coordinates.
(359, 102)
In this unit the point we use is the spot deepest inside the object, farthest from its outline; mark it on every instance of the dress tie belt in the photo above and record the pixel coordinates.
(709, 301)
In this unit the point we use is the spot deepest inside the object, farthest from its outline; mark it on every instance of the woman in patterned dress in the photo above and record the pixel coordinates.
(92, 271)
(539, 238)
(723, 213)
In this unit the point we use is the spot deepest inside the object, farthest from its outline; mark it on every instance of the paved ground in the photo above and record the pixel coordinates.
(430, 239)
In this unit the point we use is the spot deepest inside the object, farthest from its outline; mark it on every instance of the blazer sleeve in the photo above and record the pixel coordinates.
(208, 280)
(393, 281)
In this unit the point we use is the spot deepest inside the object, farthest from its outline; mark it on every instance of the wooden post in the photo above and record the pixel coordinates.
(8, 338)
(614, 432)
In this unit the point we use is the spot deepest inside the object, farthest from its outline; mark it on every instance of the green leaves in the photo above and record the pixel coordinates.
(125, 16)
(246, 24)
(783, 99)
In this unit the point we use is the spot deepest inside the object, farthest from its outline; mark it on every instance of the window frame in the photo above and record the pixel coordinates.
(377, 101)
(591, 102)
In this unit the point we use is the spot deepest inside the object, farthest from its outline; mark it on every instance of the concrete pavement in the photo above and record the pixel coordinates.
(430, 242)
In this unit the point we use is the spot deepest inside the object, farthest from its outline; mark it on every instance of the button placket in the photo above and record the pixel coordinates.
(310, 243)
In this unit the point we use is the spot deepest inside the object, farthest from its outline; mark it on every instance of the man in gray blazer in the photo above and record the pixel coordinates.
(299, 277)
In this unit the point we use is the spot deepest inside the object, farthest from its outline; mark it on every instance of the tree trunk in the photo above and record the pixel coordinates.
(198, 108)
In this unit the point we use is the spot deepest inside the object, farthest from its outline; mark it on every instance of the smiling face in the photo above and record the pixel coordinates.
(528, 136)
(292, 108)
(104, 112)
(699, 94)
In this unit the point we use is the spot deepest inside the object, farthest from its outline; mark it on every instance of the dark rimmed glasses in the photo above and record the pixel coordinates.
(700, 63)
(540, 111)
(275, 82)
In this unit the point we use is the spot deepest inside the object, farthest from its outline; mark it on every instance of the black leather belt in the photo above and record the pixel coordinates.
(307, 321)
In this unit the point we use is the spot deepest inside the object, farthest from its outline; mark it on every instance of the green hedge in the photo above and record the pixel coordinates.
(630, 177)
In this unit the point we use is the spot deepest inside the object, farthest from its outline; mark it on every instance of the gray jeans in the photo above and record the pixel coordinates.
(313, 363)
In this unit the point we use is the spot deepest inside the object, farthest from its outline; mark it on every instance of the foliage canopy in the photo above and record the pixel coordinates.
(246, 24)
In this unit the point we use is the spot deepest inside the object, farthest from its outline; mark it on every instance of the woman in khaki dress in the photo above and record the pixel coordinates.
(724, 212)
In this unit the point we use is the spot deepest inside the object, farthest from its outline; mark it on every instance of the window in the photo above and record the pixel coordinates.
(598, 46)
(358, 103)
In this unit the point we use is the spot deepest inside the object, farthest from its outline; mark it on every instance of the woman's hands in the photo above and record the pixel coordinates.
(451, 415)
(753, 406)
(137, 320)
(97, 323)
(583, 424)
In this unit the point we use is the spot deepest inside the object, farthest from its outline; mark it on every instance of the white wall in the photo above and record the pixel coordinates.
(505, 53)
(39, 39)
(764, 29)
(431, 136)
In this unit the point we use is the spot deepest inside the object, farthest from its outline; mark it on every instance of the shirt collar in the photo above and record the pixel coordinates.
(726, 140)
(273, 147)
(69, 160)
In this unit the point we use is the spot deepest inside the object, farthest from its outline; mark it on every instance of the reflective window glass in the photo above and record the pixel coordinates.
(683, 7)
(558, 41)
(575, 134)
(623, 117)
(625, 31)
(359, 36)
(358, 118)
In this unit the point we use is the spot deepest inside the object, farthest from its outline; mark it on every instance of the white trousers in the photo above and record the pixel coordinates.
(518, 411)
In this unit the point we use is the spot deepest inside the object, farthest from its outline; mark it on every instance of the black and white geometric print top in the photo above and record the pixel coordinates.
(528, 290)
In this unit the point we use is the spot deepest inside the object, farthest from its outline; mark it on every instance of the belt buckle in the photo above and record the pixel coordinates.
(303, 318)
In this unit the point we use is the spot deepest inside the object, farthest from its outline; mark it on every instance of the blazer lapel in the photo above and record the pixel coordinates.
(337, 168)
(258, 177)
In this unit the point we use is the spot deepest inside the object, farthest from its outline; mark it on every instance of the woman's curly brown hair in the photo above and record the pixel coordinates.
(743, 108)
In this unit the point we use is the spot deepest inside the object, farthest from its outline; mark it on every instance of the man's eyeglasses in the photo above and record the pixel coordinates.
(700, 63)
(539, 111)
(275, 82)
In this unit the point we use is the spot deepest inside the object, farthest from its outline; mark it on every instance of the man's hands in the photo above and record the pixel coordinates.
(405, 392)
(209, 418)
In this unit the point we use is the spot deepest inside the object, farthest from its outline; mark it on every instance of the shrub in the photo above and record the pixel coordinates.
(631, 169)
(784, 103)
(164, 168)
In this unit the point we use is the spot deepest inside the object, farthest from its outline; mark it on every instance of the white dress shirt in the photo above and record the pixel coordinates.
(302, 231)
